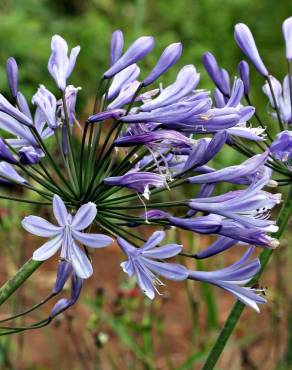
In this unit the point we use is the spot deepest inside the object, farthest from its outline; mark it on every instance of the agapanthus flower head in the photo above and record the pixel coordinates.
(60, 65)
(67, 235)
(287, 33)
(245, 41)
(145, 262)
(136, 51)
(12, 76)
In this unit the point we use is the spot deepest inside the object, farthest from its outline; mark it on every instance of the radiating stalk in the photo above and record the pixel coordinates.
(238, 308)
(18, 279)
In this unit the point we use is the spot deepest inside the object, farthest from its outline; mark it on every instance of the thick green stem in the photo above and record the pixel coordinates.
(18, 279)
(238, 308)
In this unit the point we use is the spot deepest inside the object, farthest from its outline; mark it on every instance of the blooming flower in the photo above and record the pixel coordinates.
(67, 235)
(60, 65)
(142, 263)
(233, 277)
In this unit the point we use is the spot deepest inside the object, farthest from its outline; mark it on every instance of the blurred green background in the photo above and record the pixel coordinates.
(114, 328)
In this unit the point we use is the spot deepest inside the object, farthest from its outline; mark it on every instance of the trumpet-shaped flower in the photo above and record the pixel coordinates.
(145, 262)
(60, 65)
(67, 235)
(232, 279)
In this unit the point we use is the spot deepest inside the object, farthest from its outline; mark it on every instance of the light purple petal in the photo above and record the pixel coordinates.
(171, 271)
(166, 251)
(92, 240)
(40, 227)
(154, 240)
(84, 216)
(60, 211)
(48, 249)
(80, 262)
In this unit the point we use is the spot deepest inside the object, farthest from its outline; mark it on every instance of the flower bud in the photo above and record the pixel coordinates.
(12, 76)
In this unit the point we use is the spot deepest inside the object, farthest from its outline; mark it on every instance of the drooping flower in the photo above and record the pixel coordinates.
(145, 262)
(60, 65)
(12, 76)
(67, 235)
(287, 33)
(232, 173)
(136, 51)
(233, 278)
(168, 58)
(138, 181)
(245, 41)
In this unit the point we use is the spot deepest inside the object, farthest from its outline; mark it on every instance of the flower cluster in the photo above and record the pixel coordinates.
(140, 149)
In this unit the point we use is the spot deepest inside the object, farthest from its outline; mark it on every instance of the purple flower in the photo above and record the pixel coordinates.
(215, 224)
(9, 172)
(220, 77)
(236, 94)
(232, 173)
(47, 103)
(186, 81)
(125, 96)
(9, 109)
(103, 116)
(23, 105)
(245, 41)
(232, 279)
(5, 153)
(282, 97)
(29, 155)
(168, 58)
(12, 76)
(287, 32)
(117, 44)
(63, 272)
(161, 138)
(122, 79)
(250, 207)
(142, 263)
(60, 65)
(64, 303)
(243, 70)
(67, 235)
(138, 181)
(138, 50)
(281, 148)
(70, 98)
(204, 150)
